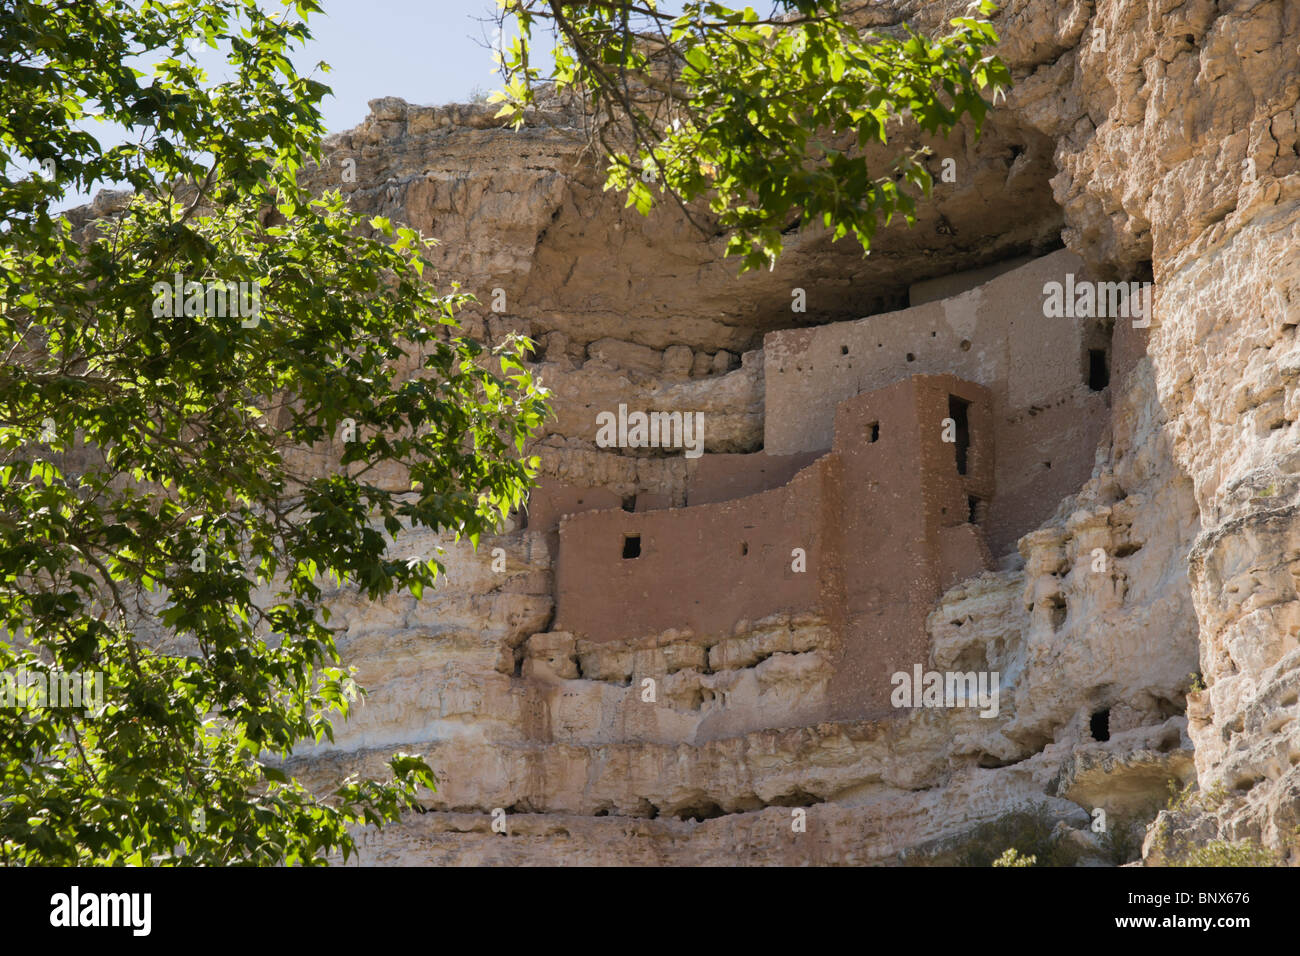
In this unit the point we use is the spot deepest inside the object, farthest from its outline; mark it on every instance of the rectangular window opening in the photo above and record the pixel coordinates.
(1098, 372)
(629, 502)
(631, 546)
(873, 433)
(958, 412)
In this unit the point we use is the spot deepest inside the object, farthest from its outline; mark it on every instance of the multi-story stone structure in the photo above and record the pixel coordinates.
(1140, 521)
(867, 536)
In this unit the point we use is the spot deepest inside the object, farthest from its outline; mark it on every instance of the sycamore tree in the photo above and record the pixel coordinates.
(163, 366)
(765, 119)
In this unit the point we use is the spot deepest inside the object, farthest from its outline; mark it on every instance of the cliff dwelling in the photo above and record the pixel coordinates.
(854, 434)
(895, 463)
(997, 523)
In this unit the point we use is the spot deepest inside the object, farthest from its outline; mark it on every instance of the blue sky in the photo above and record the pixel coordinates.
(425, 51)
(428, 52)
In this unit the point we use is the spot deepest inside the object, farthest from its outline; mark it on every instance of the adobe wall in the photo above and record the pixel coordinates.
(900, 518)
(551, 500)
(704, 567)
(946, 286)
(708, 479)
(883, 519)
(726, 477)
(1047, 420)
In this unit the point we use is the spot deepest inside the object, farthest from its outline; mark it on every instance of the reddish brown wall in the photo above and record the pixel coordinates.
(899, 534)
(711, 478)
(1050, 454)
(883, 524)
(1035, 368)
(703, 567)
(552, 500)
(728, 477)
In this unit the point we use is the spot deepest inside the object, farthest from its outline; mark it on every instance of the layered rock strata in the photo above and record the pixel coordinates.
(1157, 141)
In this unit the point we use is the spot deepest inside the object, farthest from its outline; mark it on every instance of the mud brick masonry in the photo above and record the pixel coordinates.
(885, 518)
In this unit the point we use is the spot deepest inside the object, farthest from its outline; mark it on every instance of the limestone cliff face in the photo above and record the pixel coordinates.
(1182, 151)
(1156, 140)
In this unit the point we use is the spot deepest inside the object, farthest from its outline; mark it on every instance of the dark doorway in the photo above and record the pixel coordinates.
(1099, 725)
(958, 412)
(1098, 372)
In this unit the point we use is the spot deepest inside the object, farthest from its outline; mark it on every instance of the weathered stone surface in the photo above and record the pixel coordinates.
(1158, 141)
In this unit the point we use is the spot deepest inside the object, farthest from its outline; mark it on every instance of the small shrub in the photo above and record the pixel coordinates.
(1122, 841)
(1190, 797)
(1030, 834)
(1225, 853)
(1012, 858)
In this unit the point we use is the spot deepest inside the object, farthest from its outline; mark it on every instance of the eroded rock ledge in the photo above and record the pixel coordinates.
(1156, 142)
